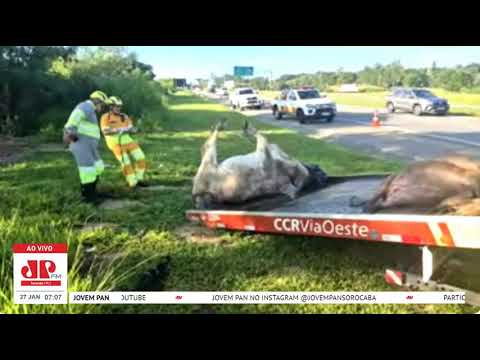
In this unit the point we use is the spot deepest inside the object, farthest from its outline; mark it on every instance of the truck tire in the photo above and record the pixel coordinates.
(390, 108)
(300, 116)
(417, 110)
(274, 111)
(330, 118)
(278, 115)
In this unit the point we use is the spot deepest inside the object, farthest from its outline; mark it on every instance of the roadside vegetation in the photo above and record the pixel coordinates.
(464, 79)
(40, 85)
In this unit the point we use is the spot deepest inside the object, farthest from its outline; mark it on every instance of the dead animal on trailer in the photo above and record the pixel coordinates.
(449, 185)
(266, 171)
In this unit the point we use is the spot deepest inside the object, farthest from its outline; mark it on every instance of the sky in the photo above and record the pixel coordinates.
(201, 61)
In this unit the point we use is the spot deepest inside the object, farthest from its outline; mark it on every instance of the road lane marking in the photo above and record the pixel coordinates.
(437, 137)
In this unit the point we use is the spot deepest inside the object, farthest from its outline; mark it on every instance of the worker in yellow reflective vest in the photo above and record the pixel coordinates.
(117, 129)
(82, 135)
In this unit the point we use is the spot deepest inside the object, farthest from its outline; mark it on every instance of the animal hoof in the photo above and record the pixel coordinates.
(355, 201)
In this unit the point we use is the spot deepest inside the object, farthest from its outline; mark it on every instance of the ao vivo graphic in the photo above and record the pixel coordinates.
(40, 273)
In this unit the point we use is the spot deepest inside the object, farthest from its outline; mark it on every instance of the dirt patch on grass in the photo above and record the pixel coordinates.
(120, 204)
(12, 150)
(53, 147)
(199, 234)
(166, 187)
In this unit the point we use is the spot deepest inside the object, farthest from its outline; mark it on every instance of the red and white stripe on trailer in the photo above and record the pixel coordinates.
(443, 231)
(215, 221)
(393, 277)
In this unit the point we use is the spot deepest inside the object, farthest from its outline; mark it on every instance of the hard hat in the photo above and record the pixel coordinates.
(115, 101)
(99, 95)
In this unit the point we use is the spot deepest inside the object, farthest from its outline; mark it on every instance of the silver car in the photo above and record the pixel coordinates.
(418, 101)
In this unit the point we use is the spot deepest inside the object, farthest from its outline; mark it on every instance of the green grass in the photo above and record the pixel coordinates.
(459, 98)
(461, 103)
(41, 206)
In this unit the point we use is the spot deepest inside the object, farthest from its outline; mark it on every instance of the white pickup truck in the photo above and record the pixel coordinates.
(244, 98)
(304, 104)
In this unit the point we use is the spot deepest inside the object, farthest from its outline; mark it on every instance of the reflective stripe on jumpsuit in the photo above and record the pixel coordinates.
(83, 123)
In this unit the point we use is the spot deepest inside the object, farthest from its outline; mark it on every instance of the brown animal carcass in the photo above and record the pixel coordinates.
(449, 185)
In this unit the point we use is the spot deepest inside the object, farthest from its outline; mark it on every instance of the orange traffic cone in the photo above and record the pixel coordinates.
(376, 119)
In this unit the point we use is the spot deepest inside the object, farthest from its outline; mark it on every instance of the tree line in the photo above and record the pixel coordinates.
(40, 85)
(459, 78)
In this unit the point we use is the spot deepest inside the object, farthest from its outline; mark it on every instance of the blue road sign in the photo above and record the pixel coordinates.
(243, 71)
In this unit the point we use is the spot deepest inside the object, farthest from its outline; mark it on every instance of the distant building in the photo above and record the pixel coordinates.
(348, 88)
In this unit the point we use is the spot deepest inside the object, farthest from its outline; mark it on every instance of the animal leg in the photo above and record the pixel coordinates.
(377, 201)
(302, 176)
(209, 149)
(454, 203)
(263, 147)
(289, 190)
(462, 162)
(470, 207)
(280, 153)
(249, 131)
(298, 173)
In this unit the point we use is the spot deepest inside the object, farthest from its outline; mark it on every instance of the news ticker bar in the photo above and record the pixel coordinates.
(193, 297)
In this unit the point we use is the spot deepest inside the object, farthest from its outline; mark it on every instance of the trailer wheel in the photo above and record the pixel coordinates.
(278, 115)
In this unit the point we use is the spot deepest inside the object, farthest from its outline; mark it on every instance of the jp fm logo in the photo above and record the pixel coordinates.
(43, 269)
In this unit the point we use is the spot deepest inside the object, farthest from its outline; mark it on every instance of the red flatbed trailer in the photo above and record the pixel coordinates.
(327, 213)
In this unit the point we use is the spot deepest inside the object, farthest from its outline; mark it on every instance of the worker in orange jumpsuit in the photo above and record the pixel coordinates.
(117, 129)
